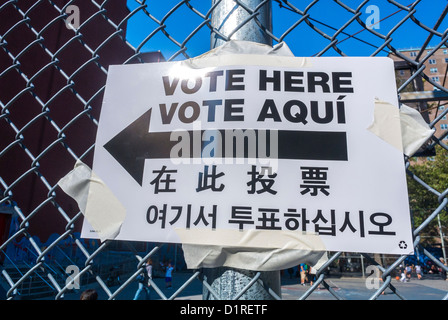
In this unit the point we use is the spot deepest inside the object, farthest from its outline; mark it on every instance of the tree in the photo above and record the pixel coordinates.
(423, 202)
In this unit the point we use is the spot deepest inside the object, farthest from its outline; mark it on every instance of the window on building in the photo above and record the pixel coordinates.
(413, 53)
(432, 61)
(435, 79)
(433, 70)
(444, 126)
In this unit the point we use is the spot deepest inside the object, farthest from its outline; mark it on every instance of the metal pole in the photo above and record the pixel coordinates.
(442, 242)
(231, 21)
(362, 265)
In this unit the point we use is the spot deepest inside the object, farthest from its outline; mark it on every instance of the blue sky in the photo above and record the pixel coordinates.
(303, 40)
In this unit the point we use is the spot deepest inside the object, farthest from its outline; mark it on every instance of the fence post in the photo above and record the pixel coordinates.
(232, 21)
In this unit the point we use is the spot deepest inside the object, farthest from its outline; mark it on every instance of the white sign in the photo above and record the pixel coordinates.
(284, 148)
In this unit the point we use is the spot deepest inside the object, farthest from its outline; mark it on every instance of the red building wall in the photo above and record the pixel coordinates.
(47, 120)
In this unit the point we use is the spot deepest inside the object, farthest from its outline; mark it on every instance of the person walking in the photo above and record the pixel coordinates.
(169, 276)
(402, 273)
(143, 281)
(303, 269)
(418, 271)
(408, 272)
(313, 278)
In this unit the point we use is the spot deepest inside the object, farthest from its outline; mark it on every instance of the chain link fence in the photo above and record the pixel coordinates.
(54, 57)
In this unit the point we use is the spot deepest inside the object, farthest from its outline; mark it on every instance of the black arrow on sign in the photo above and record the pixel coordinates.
(133, 145)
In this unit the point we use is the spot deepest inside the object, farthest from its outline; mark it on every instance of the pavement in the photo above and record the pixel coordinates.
(348, 288)
(356, 289)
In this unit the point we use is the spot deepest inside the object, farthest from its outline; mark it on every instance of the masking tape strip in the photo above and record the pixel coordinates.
(258, 250)
(255, 259)
(403, 128)
(386, 124)
(252, 238)
(248, 60)
(238, 52)
(95, 200)
(415, 130)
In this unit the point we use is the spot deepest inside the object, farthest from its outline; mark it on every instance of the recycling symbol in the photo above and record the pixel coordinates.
(402, 244)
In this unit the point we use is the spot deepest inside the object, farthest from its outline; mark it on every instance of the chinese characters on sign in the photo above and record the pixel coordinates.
(314, 180)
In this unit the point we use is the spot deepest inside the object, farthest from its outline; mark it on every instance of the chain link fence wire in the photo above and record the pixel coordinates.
(54, 57)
